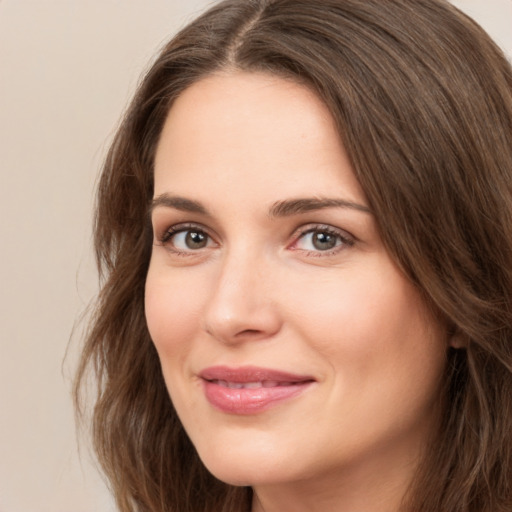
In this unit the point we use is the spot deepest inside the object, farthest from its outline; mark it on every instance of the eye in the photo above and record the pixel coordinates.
(186, 239)
(322, 239)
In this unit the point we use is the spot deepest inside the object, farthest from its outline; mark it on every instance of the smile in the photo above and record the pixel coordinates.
(252, 385)
(250, 390)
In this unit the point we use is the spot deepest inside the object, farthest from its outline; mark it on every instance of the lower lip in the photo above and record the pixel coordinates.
(250, 401)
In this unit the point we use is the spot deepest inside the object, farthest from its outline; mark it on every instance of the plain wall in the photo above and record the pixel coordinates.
(67, 70)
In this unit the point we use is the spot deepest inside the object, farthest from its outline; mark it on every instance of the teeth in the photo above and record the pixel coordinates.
(252, 385)
(230, 385)
(235, 385)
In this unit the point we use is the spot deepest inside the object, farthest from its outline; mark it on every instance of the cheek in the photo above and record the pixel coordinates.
(173, 313)
(385, 351)
(353, 310)
(373, 326)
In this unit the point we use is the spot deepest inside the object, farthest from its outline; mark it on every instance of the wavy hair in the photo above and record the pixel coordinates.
(422, 99)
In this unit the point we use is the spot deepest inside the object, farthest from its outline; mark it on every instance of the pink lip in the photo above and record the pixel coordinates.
(249, 389)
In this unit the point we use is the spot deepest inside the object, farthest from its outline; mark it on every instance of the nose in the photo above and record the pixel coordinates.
(242, 306)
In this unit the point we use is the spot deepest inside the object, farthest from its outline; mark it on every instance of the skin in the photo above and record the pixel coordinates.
(261, 292)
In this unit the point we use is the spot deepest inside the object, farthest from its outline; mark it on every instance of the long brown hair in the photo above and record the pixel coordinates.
(423, 102)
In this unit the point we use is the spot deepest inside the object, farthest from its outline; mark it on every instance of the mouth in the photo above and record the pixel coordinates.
(252, 385)
(250, 390)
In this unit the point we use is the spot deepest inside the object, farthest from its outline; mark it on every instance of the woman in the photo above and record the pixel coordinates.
(304, 227)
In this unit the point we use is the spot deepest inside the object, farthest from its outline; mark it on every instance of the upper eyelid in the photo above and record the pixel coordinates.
(164, 234)
(308, 228)
(162, 218)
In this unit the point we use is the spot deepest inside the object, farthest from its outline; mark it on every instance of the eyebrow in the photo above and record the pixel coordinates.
(284, 208)
(178, 203)
(298, 206)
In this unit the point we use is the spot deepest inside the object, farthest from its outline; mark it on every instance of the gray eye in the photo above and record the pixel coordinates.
(319, 240)
(323, 241)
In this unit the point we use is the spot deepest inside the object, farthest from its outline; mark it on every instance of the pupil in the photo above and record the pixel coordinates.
(195, 240)
(324, 241)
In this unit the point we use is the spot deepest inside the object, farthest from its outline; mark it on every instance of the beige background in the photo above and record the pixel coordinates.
(67, 69)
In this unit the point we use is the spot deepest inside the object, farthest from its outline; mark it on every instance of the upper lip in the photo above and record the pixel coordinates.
(243, 374)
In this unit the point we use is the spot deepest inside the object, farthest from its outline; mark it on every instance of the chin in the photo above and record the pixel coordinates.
(247, 466)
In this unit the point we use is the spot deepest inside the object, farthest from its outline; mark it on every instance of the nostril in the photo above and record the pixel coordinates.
(249, 332)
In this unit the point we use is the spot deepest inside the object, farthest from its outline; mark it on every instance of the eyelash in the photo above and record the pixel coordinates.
(169, 233)
(345, 239)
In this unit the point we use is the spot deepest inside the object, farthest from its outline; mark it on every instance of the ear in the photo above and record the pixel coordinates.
(456, 339)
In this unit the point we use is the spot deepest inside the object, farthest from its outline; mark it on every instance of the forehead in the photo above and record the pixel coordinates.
(271, 133)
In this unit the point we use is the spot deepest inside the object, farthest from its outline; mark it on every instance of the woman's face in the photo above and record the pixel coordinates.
(292, 346)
